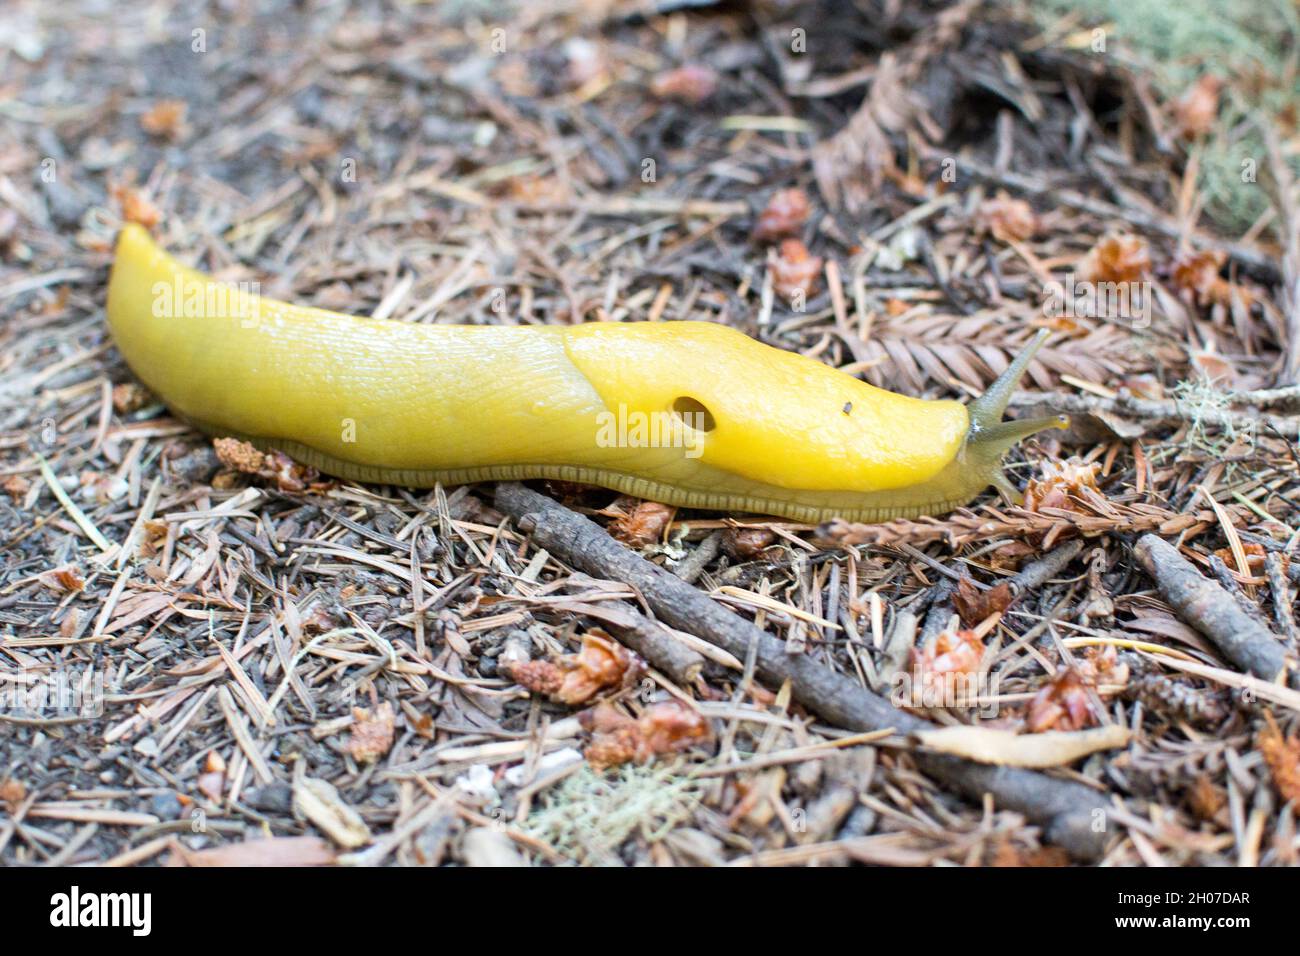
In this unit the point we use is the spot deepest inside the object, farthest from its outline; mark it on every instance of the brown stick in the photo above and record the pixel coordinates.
(1211, 610)
(1166, 410)
(1039, 572)
(1071, 814)
(649, 639)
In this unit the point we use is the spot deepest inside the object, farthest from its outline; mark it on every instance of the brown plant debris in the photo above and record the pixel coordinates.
(745, 544)
(937, 667)
(975, 605)
(136, 207)
(274, 466)
(692, 84)
(644, 524)
(1117, 258)
(662, 729)
(1196, 111)
(67, 579)
(1282, 754)
(602, 666)
(784, 215)
(1007, 219)
(165, 119)
(795, 271)
(372, 732)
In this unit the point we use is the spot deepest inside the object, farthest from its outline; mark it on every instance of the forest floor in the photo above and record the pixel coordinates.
(267, 666)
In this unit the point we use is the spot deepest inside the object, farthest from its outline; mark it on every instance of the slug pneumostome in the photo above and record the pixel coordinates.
(689, 413)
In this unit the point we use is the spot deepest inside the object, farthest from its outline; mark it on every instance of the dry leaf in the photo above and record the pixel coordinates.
(275, 851)
(1143, 386)
(153, 538)
(135, 207)
(1255, 557)
(539, 190)
(372, 732)
(795, 271)
(165, 118)
(319, 802)
(1205, 799)
(1007, 219)
(911, 182)
(212, 782)
(66, 579)
(745, 544)
(1008, 855)
(130, 397)
(1282, 754)
(691, 84)
(1006, 748)
(758, 796)
(16, 486)
(1116, 258)
(601, 665)
(663, 728)
(12, 793)
(1213, 367)
(211, 785)
(1196, 110)
(974, 605)
(643, 525)
(785, 215)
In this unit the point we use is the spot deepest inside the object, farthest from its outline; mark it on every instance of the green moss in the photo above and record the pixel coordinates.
(589, 815)
(1249, 44)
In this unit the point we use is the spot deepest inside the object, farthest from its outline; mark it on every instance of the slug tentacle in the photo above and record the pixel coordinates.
(987, 410)
(990, 437)
(691, 413)
(1003, 435)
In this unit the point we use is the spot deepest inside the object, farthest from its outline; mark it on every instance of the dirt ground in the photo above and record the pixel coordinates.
(270, 666)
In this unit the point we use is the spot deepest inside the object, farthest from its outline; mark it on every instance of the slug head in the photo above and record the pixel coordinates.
(989, 437)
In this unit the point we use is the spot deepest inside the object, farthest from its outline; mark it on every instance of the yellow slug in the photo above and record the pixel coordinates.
(689, 413)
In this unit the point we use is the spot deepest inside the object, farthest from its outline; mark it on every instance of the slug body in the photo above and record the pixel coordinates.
(689, 413)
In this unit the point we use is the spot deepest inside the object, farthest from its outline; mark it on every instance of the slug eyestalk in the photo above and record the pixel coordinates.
(989, 437)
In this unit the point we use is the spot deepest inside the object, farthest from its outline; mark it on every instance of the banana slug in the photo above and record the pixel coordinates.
(693, 414)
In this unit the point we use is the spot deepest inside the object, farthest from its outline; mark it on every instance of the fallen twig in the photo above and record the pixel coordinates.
(1211, 610)
(1066, 810)
(649, 639)
(1149, 409)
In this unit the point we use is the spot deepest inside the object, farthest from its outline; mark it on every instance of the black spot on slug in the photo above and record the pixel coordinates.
(848, 407)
